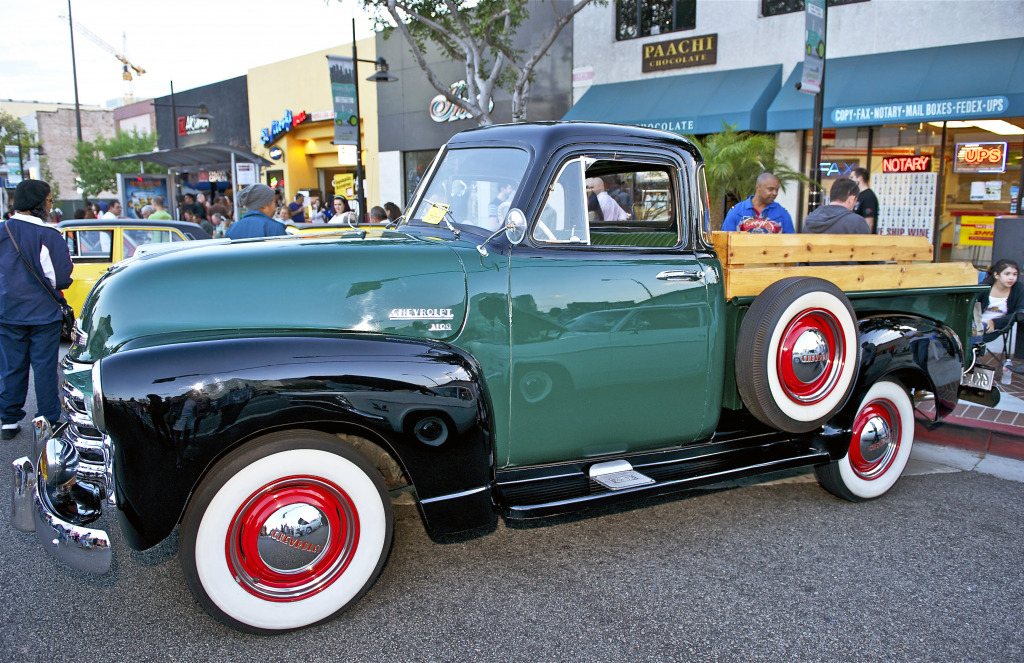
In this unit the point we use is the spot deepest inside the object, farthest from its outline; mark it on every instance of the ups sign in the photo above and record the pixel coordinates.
(680, 53)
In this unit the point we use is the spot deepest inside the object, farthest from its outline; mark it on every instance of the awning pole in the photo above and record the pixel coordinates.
(234, 189)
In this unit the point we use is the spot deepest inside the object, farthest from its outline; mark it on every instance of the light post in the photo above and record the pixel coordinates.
(381, 75)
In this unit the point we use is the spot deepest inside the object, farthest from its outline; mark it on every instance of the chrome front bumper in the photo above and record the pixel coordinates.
(58, 516)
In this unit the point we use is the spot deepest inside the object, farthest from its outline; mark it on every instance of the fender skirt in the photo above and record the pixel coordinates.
(172, 411)
(919, 352)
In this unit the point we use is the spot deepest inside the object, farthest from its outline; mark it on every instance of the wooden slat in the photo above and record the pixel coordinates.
(748, 249)
(750, 281)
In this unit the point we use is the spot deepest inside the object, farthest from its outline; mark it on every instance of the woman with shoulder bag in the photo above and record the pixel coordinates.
(34, 266)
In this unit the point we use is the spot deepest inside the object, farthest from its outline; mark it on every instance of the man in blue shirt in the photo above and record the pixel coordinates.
(760, 213)
(258, 199)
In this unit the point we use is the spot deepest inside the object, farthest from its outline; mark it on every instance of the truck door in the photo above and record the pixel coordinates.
(611, 318)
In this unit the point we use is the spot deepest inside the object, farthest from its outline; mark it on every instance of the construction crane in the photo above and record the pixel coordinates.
(122, 56)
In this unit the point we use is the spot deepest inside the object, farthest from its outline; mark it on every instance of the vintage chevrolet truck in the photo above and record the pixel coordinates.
(500, 353)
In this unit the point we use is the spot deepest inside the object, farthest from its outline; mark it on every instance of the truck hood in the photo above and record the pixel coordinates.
(382, 282)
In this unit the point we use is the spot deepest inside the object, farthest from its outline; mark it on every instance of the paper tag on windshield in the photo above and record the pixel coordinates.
(435, 213)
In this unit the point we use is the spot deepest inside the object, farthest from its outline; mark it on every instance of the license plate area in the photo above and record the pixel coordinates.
(980, 377)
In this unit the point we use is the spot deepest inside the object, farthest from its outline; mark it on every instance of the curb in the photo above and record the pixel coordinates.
(994, 435)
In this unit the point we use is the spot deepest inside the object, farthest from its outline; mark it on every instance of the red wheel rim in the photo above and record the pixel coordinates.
(283, 563)
(808, 376)
(877, 435)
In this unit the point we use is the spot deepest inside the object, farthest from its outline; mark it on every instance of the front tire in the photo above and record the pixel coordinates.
(247, 560)
(883, 437)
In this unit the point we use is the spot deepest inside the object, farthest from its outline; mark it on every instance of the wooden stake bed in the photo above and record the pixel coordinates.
(754, 261)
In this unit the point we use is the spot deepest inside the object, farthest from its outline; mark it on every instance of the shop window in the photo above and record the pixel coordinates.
(777, 7)
(414, 166)
(635, 18)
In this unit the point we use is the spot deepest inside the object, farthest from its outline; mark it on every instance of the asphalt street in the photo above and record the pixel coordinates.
(749, 572)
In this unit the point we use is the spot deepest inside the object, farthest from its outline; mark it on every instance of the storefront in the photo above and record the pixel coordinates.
(941, 131)
(293, 126)
(215, 114)
(415, 120)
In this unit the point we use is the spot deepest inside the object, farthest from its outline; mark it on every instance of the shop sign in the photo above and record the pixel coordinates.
(980, 158)
(837, 168)
(920, 164)
(191, 124)
(680, 53)
(977, 230)
(676, 126)
(276, 153)
(442, 110)
(922, 111)
(282, 126)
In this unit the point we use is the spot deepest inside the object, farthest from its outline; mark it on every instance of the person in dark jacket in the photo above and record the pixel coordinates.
(1001, 305)
(838, 217)
(258, 199)
(31, 253)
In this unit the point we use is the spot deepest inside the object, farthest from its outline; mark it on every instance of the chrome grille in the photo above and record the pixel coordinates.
(93, 446)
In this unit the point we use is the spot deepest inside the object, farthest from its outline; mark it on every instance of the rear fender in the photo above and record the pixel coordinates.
(918, 352)
(173, 411)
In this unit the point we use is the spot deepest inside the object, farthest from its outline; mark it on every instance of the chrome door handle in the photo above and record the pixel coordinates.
(682, 275)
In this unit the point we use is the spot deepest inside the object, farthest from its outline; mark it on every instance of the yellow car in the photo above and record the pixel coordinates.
(96, 244)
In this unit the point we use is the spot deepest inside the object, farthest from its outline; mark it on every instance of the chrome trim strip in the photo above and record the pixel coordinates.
(454, 496)
(22, 496)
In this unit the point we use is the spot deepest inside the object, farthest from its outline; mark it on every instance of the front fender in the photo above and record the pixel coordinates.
(172, 411)
(919, 352)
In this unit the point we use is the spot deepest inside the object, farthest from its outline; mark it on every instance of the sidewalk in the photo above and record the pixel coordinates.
(998, 431)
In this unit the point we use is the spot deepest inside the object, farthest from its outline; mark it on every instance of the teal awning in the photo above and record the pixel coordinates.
(688, 104)
(983, 80)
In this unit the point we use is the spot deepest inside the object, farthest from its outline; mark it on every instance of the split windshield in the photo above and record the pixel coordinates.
(474, 187)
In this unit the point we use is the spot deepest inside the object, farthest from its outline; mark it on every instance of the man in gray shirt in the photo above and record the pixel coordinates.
(838, 217)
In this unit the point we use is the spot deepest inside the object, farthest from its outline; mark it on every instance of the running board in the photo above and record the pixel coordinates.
(575, 487)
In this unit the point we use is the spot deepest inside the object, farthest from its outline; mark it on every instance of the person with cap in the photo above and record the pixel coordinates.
(34, 263)
(258, 200)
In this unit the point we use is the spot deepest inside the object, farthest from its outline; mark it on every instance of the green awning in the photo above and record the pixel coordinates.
(688, 104)
(983, 80)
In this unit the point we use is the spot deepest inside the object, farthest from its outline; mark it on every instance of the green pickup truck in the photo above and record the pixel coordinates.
(504, 351)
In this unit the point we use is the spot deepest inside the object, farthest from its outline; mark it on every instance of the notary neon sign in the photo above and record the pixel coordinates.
(919, 164)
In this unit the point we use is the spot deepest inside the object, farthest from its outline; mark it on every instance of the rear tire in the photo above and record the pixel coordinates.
(244, 554)
(882, 439)
(797, 354)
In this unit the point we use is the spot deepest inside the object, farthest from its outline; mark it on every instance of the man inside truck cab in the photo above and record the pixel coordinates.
(760, 213)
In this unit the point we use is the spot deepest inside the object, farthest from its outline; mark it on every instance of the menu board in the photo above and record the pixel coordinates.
(906, 203)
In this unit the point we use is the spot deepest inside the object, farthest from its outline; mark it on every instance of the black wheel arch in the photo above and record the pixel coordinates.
(244, 388)
(915, 351)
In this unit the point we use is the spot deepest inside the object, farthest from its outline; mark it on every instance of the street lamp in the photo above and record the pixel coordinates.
(380, 75)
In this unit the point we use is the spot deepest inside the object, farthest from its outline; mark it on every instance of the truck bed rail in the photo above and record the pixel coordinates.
(754, 261)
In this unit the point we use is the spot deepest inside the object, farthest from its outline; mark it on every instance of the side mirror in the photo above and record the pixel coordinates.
(514, 229)
(515, 226)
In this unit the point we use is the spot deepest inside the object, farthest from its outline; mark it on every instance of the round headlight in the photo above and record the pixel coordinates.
(96, 411)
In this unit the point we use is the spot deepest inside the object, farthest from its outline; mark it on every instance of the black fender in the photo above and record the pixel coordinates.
(918, 352)
(172, 411)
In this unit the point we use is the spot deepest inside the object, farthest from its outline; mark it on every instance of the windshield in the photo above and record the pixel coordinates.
(474, 187)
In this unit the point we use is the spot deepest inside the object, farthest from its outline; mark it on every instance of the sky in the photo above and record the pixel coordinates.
(189, 42)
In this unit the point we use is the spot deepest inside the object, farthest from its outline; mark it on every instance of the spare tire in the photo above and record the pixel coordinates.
(797, 354)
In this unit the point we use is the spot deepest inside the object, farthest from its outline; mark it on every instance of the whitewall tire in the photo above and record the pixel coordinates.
(285, 532)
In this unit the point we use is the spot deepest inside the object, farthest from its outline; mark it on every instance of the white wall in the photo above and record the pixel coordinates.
(747, 40)
(390, 173)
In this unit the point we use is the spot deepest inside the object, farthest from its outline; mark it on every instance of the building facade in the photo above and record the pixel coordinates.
(940, 79)
(292, 124)
(415, 120)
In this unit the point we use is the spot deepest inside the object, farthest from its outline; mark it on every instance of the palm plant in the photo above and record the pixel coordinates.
(733, 160)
